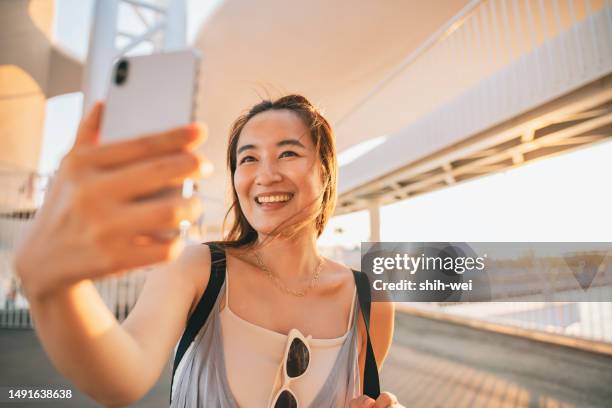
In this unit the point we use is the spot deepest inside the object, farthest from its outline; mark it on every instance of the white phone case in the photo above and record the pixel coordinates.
(158, 93)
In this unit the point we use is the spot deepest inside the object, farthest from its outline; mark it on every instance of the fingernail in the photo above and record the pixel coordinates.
(193, 129)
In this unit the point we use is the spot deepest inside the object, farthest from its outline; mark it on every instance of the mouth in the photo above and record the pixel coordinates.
(273, 201)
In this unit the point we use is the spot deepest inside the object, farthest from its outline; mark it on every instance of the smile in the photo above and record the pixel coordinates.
(273, 198)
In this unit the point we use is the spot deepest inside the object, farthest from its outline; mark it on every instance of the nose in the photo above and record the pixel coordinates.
(268, 173)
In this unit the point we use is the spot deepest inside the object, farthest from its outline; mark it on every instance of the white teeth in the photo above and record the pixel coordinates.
(274, 198)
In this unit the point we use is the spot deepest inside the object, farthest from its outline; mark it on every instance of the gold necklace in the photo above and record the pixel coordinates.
(274, 278)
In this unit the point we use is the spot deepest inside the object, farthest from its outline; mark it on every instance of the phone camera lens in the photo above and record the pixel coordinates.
(121, 72)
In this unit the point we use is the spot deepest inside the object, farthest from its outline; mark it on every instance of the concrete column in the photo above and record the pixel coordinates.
(25, 47)
(374, 210)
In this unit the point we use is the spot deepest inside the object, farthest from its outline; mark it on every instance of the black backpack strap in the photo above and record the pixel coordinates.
(371, 382)
(204, 307)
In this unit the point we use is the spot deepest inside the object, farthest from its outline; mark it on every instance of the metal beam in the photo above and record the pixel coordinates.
(448, 174)
(488, 147)
(569, 137)
(586, 98)
(146, 36)
(169, 21)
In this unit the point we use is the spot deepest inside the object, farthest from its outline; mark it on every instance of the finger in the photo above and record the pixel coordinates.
(134, 256)
(127, 151)
(89, 128)
(362, 401)
(150, 176)
(385, 400)
(155, 216)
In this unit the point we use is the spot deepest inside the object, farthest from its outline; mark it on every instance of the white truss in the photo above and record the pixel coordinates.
(163, 27)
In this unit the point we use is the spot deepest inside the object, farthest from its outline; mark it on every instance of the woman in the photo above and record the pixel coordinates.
(276, 288)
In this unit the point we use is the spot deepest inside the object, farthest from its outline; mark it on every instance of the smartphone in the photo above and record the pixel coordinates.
(152, 93)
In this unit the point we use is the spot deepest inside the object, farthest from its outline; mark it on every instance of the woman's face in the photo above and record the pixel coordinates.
(277, 170)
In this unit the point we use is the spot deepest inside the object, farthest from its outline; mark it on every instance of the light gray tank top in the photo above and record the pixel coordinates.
(200, 379)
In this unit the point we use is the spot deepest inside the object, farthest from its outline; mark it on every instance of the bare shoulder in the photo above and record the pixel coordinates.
(338, 278)
(194, 254)
(195, 263)
(177, 281)
(195, 260)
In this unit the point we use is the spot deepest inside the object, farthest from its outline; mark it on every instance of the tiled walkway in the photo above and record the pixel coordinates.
(436, 364)
(431, 364)
(24, 363)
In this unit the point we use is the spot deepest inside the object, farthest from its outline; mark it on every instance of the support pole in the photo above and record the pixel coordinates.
(170, 22)
(101, 52)
(374, 210)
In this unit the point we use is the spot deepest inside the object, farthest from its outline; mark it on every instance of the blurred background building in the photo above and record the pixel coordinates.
(455, 120)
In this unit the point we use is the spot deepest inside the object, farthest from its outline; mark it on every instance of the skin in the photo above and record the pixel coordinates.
(277, 154)
(90, 226)
(90, 207)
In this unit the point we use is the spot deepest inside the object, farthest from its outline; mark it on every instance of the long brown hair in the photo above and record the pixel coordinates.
(241, 233)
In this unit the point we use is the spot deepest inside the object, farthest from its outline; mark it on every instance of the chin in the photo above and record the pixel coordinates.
(270, 229)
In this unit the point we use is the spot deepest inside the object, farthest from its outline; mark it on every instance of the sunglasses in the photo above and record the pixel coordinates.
(296, 359)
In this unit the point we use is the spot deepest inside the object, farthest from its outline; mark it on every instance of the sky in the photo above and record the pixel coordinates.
(565, 198)
(72, 22)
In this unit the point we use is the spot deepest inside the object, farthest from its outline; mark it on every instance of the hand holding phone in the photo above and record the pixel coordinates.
(153, 93)
(91, 224)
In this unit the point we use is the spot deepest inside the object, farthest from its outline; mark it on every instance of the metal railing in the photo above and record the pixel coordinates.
(589, 319)
(21, 193)
(583, 325)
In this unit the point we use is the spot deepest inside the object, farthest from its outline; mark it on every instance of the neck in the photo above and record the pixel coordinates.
(291, 259)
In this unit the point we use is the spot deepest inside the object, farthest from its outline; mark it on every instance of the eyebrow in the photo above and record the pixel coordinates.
(286, 142)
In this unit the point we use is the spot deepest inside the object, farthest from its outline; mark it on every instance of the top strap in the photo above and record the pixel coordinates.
(204, 307)
(371, 382)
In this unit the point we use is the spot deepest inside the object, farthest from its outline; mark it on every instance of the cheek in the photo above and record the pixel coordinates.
(241, 183)
(313, 183)
(317, 177)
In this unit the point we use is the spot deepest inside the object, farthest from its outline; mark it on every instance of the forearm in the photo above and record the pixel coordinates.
(87, 344)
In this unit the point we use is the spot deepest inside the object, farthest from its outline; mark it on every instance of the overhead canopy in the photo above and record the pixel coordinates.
(333, 53)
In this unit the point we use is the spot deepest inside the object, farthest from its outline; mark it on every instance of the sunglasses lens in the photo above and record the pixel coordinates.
(286, 400)
(298, 358)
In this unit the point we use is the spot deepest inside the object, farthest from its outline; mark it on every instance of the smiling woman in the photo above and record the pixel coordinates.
(292, 329)
(282, 160)
(287, 138)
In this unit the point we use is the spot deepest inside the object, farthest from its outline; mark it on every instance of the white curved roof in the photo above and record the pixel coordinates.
(331, 52)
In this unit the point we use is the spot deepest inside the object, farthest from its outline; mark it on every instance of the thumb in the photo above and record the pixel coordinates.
(363, 401)
(89, 128)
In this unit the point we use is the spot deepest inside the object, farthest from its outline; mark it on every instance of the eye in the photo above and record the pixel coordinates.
(244, 159)
(292, 153)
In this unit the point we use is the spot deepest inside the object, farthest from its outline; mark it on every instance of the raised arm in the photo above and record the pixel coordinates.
(94, 223)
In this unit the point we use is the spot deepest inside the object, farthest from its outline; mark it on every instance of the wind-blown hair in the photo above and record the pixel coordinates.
(241, 234)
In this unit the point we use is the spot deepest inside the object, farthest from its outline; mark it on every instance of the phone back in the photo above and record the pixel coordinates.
(150, 93)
